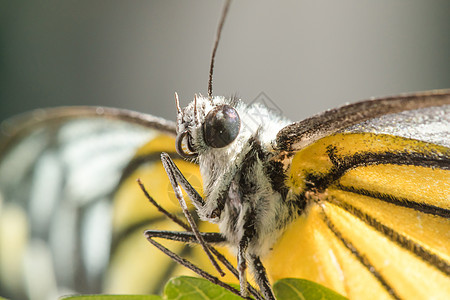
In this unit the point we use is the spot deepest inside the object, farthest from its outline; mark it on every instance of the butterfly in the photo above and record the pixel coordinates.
(355, 198)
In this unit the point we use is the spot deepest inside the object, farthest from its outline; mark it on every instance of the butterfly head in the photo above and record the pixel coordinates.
(206, 124)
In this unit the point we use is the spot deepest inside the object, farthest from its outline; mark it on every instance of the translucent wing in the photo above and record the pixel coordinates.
(59, 171)
(376, 183)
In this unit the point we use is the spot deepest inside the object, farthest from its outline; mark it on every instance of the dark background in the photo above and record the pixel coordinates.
(307, 56)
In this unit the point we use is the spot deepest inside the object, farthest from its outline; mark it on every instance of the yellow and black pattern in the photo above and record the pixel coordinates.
(377, 220)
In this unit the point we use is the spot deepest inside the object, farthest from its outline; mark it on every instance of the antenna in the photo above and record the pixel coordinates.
(216, 43)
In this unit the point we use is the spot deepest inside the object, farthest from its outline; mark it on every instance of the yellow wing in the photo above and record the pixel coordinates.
(377, 218)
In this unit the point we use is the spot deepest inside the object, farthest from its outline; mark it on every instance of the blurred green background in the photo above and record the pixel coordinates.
(307, 56)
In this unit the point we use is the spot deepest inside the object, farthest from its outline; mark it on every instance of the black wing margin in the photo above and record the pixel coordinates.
(303, 133)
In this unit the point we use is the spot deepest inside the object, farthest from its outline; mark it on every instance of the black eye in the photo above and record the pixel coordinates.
(221, 126)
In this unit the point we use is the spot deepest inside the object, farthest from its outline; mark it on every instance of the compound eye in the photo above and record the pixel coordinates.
(221, 126)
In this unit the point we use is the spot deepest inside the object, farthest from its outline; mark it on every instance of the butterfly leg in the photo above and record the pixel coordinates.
(260, 275)
(188, 264)
(189, 237)
(186, 237)
(258, 269)
(176, 178)
(174, 175)
(242, 266)
(195, 197)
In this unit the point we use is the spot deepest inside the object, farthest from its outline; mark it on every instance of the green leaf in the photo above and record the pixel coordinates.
(187, 288)
(293, 288)
(111, 297)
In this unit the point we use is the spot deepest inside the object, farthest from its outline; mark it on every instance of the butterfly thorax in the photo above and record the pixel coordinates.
(239, 191)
